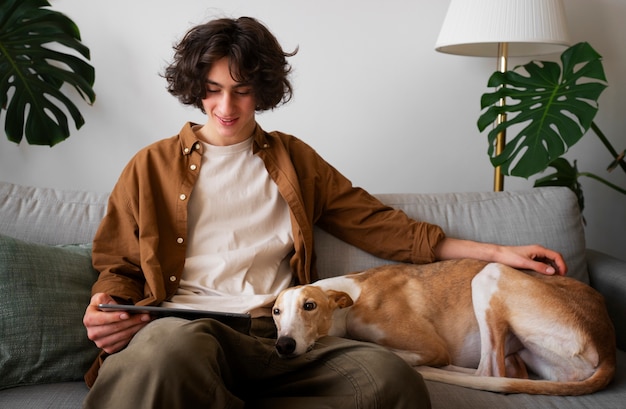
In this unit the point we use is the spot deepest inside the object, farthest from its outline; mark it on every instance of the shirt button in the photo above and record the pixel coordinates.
(180, 240)
(186, 150)
(193, 167)
(183, 196)
(172, 278)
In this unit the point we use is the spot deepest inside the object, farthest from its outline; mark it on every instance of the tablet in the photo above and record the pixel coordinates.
(237, 321)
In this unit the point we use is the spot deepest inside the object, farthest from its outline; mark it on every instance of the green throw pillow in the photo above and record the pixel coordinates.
(43, 294)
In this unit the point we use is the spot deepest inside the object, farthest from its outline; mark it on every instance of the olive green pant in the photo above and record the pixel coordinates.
(174, 363)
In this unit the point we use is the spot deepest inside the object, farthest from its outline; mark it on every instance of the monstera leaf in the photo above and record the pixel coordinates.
(553, 108)
(33, 71)
(565, 174)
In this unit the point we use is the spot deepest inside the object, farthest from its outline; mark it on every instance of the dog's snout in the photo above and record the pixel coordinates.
(285, 346)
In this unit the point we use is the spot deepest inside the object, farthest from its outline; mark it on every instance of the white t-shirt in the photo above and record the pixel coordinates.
(240, 236)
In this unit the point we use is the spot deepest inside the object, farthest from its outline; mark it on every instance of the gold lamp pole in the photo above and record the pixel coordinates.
(498, 177)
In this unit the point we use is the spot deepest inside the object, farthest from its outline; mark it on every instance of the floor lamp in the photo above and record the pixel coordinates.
(502, 29)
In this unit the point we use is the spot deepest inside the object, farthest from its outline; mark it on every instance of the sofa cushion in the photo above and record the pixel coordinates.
(63, 395)
(451, 396)
(44, 291)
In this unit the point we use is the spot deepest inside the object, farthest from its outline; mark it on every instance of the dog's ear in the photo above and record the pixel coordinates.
(339, 299)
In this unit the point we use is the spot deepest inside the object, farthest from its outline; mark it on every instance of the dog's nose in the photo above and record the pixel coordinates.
(285, 346)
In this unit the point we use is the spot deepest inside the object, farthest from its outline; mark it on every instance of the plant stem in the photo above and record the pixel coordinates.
(607, 144)
(604, 181)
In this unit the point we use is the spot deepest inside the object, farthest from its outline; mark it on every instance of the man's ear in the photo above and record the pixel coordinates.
(339, 299)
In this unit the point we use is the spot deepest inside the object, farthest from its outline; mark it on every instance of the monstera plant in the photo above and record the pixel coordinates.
(34, 69)
(549, 108)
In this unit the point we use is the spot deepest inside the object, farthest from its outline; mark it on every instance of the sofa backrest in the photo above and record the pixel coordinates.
(50, 216)
(547, 216)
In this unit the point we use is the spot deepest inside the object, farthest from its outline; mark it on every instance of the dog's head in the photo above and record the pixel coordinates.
(303, 315)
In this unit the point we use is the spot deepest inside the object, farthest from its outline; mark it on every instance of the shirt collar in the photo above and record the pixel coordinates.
(260, 140)
(189, 141)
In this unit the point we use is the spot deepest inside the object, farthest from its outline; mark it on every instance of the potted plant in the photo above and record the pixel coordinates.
(552, 107)
(33, 72)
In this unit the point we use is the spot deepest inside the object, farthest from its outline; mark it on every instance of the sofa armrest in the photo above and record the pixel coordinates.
(607, 274)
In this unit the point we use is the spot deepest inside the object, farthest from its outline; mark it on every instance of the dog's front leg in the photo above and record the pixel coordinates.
(424, 348)
(438, 357)
(418, 342)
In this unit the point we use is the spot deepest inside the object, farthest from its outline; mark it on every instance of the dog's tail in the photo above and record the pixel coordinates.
(599, 380)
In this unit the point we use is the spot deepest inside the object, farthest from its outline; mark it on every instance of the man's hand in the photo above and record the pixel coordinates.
(111, 330)
(532, 257)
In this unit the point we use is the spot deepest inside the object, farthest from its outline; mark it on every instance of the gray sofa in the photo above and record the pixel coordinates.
(45, 276)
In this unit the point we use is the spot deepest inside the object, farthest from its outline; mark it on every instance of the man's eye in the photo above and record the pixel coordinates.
(244, 92)
(213, 91)
(309, 306)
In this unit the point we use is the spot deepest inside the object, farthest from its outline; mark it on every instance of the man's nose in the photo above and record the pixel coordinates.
(226, 102)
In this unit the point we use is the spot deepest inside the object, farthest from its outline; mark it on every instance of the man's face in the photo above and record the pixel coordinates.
(230, 107)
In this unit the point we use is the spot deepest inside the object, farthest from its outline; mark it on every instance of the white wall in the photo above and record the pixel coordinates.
(371, 95)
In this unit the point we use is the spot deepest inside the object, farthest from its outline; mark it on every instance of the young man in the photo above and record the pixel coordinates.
(220, 217)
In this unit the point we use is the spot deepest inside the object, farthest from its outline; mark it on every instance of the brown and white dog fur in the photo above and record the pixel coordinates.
(470, 323)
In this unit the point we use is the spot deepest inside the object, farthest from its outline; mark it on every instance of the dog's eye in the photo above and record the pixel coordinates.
(276, 311)
(309, 306)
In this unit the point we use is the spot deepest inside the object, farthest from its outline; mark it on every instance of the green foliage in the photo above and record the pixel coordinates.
(566, 175)
(554, 107)
(32, 73)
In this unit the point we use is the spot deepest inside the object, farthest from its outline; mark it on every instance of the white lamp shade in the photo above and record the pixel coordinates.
(530, 27)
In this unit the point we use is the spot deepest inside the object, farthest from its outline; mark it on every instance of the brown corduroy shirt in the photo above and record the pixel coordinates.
(140, 246)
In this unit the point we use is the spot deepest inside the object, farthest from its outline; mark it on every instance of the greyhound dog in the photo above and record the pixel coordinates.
(465, 322)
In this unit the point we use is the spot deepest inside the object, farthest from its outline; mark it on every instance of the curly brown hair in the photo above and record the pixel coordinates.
(255, 58)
